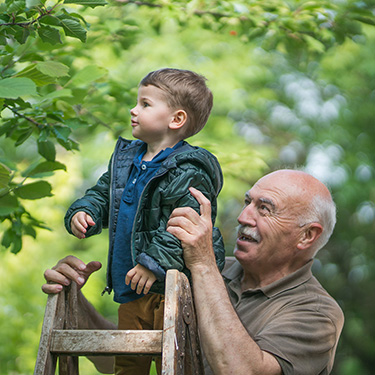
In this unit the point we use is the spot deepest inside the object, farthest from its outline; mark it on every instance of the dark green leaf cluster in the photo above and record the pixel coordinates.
(33, 87)
(20, 19)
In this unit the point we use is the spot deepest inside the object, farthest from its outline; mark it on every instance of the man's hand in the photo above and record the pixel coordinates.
(79, 224)
(68, 269)
(194, 230)
(140, 278)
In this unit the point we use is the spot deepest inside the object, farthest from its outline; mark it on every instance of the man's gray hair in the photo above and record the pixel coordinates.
(322, 210)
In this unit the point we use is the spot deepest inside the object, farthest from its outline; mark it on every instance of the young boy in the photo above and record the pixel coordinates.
(146, 179)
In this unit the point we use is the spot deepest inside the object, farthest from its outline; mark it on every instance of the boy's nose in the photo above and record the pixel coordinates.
(133, 111)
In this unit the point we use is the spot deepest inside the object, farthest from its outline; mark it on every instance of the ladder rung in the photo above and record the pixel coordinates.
(106, 342)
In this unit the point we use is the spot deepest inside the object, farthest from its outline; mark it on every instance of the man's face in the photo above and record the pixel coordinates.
(269, 231)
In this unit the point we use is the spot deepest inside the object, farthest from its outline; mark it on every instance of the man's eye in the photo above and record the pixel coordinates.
(264, 208)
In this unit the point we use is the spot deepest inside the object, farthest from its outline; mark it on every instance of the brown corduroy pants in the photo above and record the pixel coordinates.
(147, 313)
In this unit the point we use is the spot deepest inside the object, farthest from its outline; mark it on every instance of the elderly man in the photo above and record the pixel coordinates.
(266, 313)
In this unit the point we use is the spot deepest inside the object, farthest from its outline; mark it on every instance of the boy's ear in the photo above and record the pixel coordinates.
(179, 120)
(309, 236)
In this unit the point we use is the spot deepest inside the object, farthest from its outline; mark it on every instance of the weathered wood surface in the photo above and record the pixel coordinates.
(181, 348)
(106, 342)
(178, 343)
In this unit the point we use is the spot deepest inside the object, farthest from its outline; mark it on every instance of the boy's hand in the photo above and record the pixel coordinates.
(79, 224)
(141, 278)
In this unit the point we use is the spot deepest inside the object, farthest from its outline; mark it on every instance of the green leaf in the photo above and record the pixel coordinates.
(13, 88)
(36, 75)
(50, 20)
(25, 134)
(75, 123)
(22, 34)
(64, 93)
(35, 190)
(53, 68)
(16, 244)
(314, 44)
(49, 35)
(90, 3)
(44, 167)
(29, 230)
(363, 19)
(61, 132)
(16, 6)
(8, 204)
(87, 75)
(46, 148)
(72, 27)
(5, 173)
(32, 3)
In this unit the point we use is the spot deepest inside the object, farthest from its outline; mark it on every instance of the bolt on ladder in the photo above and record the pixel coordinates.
(177, 344)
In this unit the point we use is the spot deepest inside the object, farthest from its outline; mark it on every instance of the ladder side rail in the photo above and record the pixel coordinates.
(53, 319)
(181, 353)
(69, 365)
(170, 344)
(193, 361)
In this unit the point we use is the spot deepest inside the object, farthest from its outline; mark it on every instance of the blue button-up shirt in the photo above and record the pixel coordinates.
(141, 173)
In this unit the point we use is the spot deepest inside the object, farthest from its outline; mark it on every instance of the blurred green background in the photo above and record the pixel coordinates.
(293, 85)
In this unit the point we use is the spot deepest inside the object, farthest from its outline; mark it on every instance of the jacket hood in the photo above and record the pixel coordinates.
(200, 157)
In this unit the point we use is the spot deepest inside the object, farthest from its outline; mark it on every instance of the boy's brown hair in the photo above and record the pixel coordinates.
(184, 90)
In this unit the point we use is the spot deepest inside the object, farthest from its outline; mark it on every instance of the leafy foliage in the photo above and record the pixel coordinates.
(44, 96)
(293, 83)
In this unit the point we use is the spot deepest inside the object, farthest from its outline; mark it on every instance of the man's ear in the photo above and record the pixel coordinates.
(309, 235)
(179, 119)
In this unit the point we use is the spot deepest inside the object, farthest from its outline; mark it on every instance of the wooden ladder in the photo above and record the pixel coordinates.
(177, 344)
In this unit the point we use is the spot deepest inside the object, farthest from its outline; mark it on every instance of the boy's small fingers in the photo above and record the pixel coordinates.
(140, 287)
(90, 221)
(147, 287)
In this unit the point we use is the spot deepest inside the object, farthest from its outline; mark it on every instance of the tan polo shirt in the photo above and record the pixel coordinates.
(294, 319)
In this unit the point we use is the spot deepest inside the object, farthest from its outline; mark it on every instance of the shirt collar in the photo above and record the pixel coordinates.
(161, 156)
(234, 273)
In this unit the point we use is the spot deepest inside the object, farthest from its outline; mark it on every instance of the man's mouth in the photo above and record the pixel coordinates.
(247, 234)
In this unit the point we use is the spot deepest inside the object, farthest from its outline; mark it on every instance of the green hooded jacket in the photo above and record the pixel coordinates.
(152, 246)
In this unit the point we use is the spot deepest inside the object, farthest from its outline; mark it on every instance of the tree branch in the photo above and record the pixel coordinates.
(42, 13)
(36, 123)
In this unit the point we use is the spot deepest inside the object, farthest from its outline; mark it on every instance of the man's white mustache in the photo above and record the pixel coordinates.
(248, 231)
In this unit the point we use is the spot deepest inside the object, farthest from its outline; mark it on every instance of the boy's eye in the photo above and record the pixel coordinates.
(145, 104)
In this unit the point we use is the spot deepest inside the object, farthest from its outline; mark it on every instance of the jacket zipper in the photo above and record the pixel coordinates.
(157, 175)
(108, 289)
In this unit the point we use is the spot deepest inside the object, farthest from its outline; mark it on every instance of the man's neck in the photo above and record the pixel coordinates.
(259, 278)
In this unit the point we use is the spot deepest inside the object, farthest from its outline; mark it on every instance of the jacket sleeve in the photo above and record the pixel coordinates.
(165, 250)
(95, 202)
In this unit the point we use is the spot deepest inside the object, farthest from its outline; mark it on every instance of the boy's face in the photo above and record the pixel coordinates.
(151, 117)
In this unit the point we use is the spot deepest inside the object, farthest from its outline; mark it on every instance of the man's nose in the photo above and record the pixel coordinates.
(248, 216)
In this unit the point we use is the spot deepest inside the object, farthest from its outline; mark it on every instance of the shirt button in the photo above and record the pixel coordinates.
(143, 167)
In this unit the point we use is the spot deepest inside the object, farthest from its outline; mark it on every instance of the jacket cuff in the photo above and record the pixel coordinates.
(151, 264)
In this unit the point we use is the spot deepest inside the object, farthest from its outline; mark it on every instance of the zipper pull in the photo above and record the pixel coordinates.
(106, 289)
